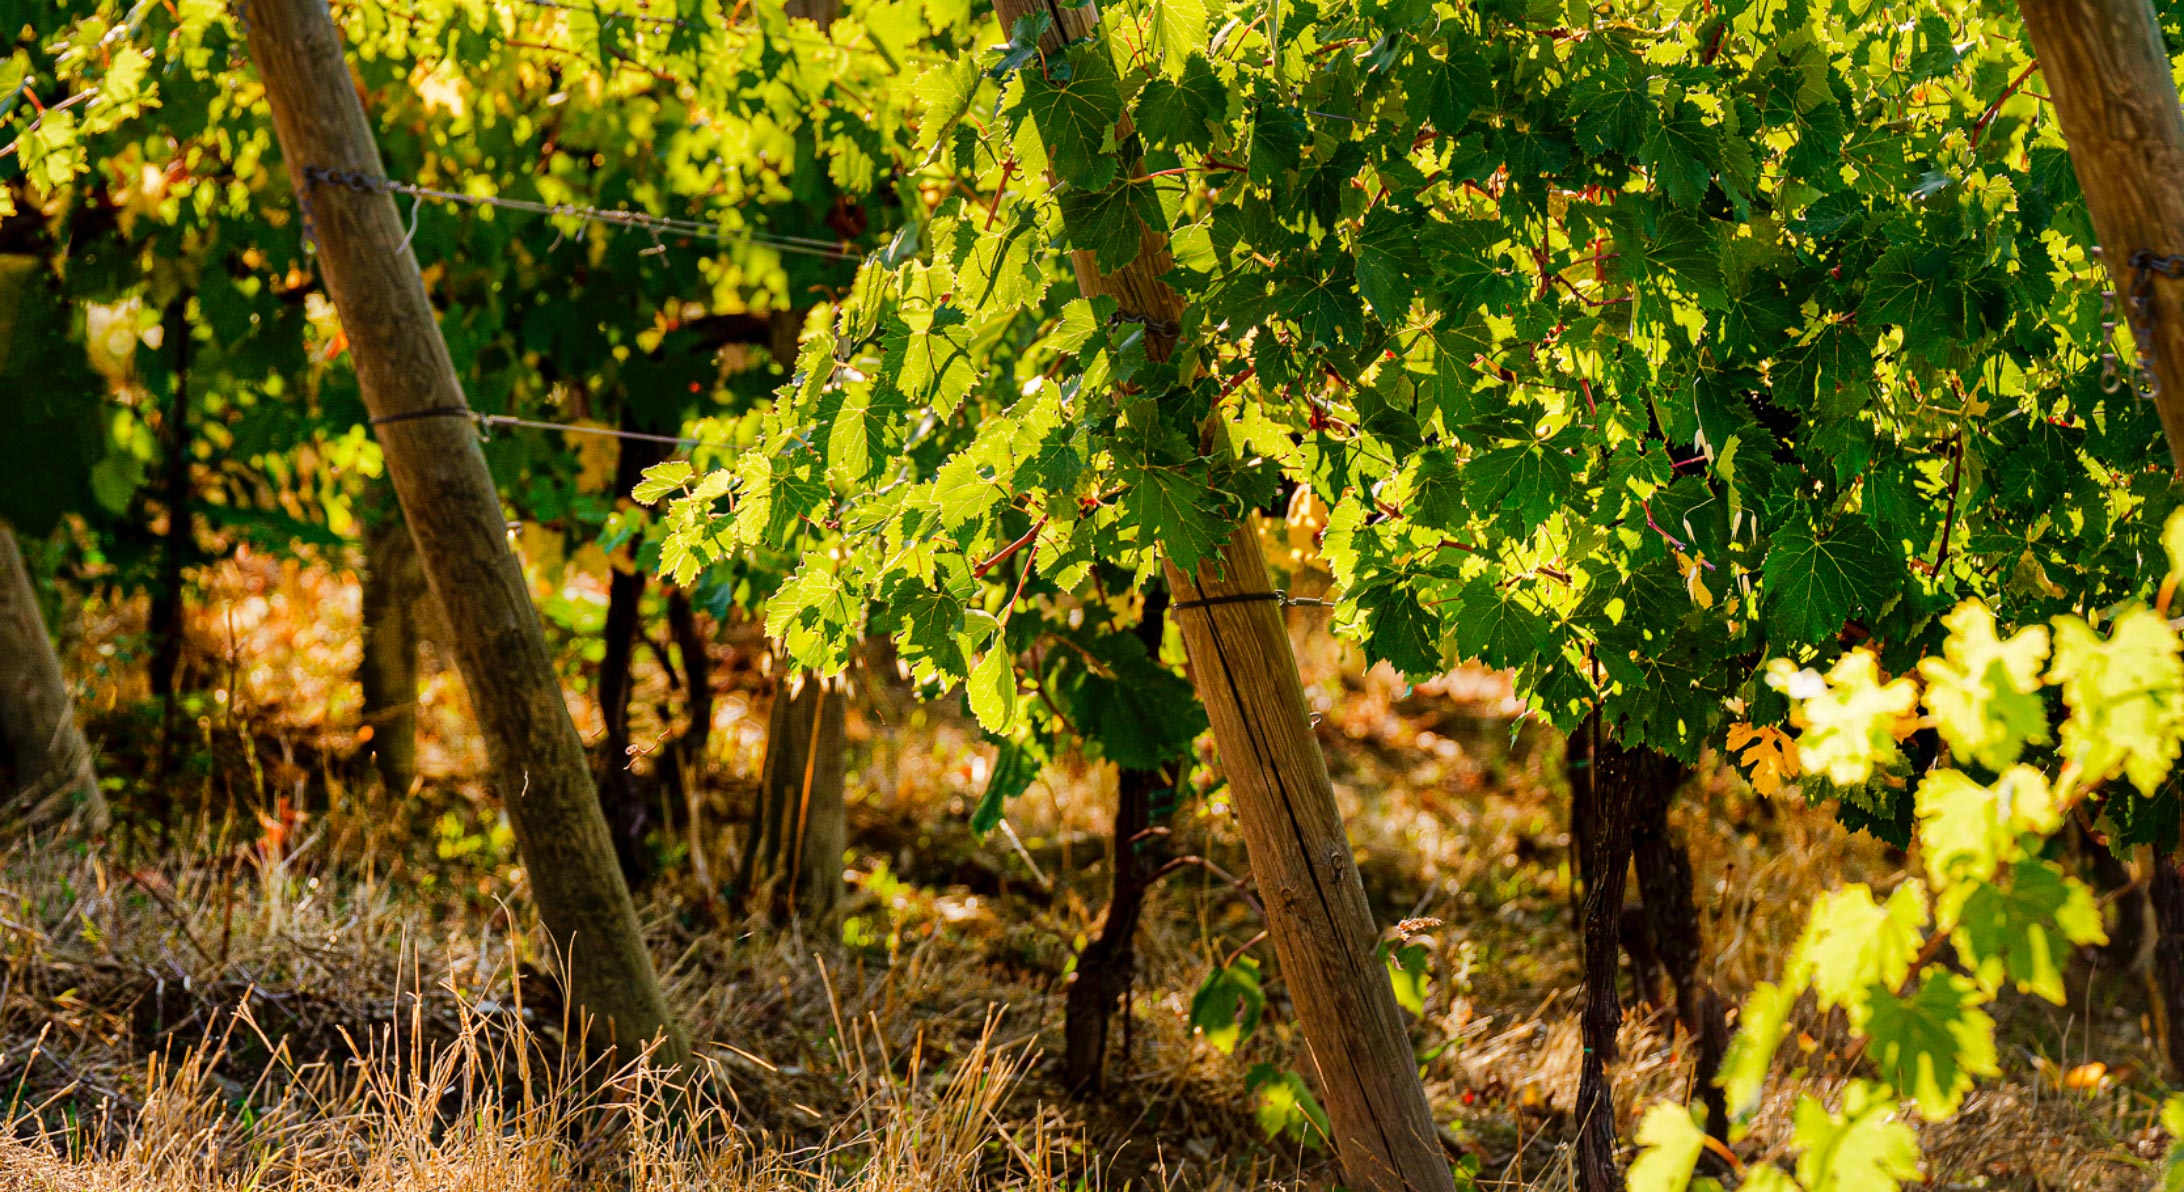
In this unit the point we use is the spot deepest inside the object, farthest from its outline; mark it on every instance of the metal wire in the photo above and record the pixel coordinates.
(655, 225)
(636, 18)
(486, 423)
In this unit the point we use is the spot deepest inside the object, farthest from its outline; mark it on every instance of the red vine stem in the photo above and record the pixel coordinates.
(1956, 480)
(1002, 556)
(1979, 128)
(994, 208)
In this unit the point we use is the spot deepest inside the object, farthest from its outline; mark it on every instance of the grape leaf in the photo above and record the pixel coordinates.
(1932, 1044)
(1815, 581)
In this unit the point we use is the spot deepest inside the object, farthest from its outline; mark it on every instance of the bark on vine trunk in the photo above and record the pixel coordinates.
(792, 857)
(538, 763)
(1618, 798)
(1108, 965)
(628, 812)
(1671, 917)
(394, 587)
(178, 544)
(1600, 833)
(44, 760)
(2166, 891)
(2107, 71)
(697, 668)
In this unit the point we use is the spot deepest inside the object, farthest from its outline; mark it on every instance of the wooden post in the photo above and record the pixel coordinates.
(440, 476)
(1316, 911)
(1246, 674)
(2108, 74)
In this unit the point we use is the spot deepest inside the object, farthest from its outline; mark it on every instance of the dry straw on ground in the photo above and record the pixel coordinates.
(320, 985)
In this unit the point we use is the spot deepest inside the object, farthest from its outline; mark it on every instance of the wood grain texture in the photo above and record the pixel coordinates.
(454, 513)
(1246, 673)
(792, 857)
(2108, 74)
(46, 760)
(1316, 910)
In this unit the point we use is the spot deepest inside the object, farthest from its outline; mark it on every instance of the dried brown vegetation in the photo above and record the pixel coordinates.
(315, 984)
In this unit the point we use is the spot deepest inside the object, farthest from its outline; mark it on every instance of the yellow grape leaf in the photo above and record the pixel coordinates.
(2172, 542)
(1669, 1143)
(1853, 943)
(1769, 756)
(2126, 697)
(596, 456)
(1851, 717)
(1984, 692)
(1967, 830)
(544, 549)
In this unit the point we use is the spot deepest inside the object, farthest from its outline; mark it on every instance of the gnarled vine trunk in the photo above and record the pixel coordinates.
(628, 812)
(2166, 891)
(394, 590)
(46, 771)
(179, 543)
(1108, 965)
(1613, 790)
(792, 857)
(1672, 936)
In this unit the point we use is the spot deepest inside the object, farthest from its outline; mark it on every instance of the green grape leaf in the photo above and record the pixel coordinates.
(929, 353)
(1853, 945)
(1526, 482)
(1815, 582)
(660, 480)
(1174, 512)
(945, 91)
(1075, 104)
(1497, 628)
(992, 690)
(1407, 972)
(1967, 831)
(1111, 223)
(1851, 717)
(1930, 1045)
(1400, 631)
(2023, 928)
(1015, 767)
(1226, 1008)
(1680, 148)
(1761, 1026)
(1178, 30)
(1389, 265)
(1286, 1107)
(1182, 113)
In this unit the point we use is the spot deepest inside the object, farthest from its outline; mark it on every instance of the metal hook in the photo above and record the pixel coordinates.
(416, 202)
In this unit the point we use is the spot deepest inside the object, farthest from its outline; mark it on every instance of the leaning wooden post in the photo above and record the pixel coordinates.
(1246, 674)
(447, 495)
(2108, 73)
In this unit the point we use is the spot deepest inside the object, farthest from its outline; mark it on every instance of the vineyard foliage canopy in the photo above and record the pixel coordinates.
(1627, 346)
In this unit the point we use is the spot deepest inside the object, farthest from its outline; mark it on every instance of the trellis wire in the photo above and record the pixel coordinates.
(655, 225)
(639, 18)
(486, 423)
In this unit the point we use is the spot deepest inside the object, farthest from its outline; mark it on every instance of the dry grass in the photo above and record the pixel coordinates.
(324, 985)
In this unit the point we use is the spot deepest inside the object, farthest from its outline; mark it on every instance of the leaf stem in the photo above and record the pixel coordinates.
(1001, 556)
(1979, 127)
